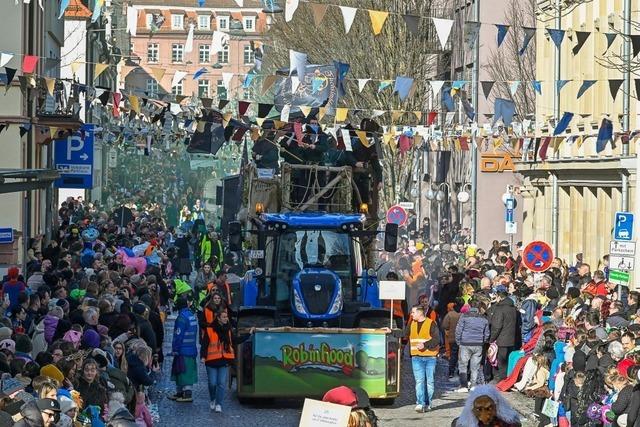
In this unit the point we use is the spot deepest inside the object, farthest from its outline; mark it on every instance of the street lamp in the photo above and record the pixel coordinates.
(463, 197)
(440, 196)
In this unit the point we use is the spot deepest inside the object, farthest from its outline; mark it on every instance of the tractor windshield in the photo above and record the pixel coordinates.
(298, 249)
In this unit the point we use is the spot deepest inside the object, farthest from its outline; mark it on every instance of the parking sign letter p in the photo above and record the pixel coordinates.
(71, 148)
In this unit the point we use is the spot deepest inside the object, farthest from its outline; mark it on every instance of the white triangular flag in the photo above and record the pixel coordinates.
(188, 46)
(218, 41)
(177, 77)
(436, 85)
(5, 58)
(132, 20)
(348, 15)
(514, 87)
(290, 9)
(295, 82)
(226, 80)
(362, 83)
(376, 113)
(298, 62)
(284, 114)
(240, 3)
(443, 29)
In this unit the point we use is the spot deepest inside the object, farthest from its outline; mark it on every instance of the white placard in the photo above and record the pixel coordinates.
(255, 254)
(392, 290)
(265, 173)
(407, 205)
(511, 228)
(624, 263)
(316, 413)
(625, 249)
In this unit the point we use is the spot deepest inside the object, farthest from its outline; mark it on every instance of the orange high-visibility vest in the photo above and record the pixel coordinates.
(212, 285)
(423, 336)
(216, 350)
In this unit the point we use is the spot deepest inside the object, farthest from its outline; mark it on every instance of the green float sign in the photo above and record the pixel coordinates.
(619, 277)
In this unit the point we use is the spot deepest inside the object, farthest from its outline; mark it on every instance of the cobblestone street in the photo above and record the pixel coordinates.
(447, 404)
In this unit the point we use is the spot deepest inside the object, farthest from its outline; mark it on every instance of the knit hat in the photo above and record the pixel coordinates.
(5, 333)
(73, 337)
(53, 372)
(63, 304)
(139, 308)
(66, 404)
(102, 330)
(100, 356)
(135, 279)
(8, 344)
(90, 339)
(23, 343)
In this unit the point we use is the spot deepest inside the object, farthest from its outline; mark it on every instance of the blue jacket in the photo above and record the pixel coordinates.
(185, 334)
(472, 329)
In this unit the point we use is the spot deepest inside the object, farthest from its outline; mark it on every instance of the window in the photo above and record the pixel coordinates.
(204, 56)
(177, 89)
(204, 22)
(203, 88)
(152, 87)
(177, 22)
(222, 22)
(177, 53)
(223, 55)
(149, 17)
(249, 23)
(153, 52)
(222, 91)
(248, 94)
(248, 55)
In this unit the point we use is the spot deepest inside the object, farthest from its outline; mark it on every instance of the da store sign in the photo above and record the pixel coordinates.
(309, 364)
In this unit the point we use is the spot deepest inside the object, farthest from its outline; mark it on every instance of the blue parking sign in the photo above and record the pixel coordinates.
(623, 226)
(73, 158)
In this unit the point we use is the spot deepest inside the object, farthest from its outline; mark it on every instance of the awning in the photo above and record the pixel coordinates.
(15, 180)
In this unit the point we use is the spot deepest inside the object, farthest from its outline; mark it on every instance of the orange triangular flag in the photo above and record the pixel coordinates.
(377, 20)
(395, 115)
(318, 10)
(362, 136)
(158, 73)
(418, 115)
(341, 114)
(75, 66)
(278, 124)
(51, 84)
(99, 69)
(321, 112)
(305, 110)
(268, 82)
(135, 104)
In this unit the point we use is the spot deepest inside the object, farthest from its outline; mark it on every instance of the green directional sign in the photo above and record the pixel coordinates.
(619, 277)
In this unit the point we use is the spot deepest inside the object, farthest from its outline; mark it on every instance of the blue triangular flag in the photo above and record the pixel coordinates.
(529, 32)
(605, 134)
(585, 85)
(383, 85)
(563, 124)
(199, 73)
(63, 6)
(201, 3)
(556, 35)
(537, 86)
(458, 84)
(502, 32)
(247, 80)
(560, 84)
(403, 86)
(342, 68)
(504, 109)
(610, 39)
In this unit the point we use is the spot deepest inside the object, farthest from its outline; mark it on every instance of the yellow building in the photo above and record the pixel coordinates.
(571, 198)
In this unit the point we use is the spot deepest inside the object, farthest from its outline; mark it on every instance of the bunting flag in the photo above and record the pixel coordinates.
(97, 10)
(188, 46)
(104, 97)
(560, 84)
(605, 134)
(29, 64)
(63, 6)
(362, 136)
(199, 73)
(295, 83)
(486, 88)
(556, 36)
(443, 29)
(51, 85)
(5, 58)
(537, 86)
(504, 109)
(222, 103)
(75, 66)
(10, 72)
(341, 114)
(563, 124)
(502, 32)
(348, 15)
(586, 84)
(99, 69)
(322, 111)
(117, 96)
(177, 78)
(378, 18)
(267, 83)
(298, 62)
(264, 109)
(384, 84)
(305, 110)
(471, 32)
(581, 38)
(413, 24)
(290, 8)
(614, 86)
(635, 43)
(53, 132)
(431, 117)
(403, 86)
(132, 20)
(529, 33)
(243, 106)
(24, 129)
(362, 83)
(247, 80)
(436, 86)
(158, 73)
(134, 102)
(544, 147)
(219, 40)
(610, 39)
(226, 80)
(284, 113)
(318, 10)
(513, 87)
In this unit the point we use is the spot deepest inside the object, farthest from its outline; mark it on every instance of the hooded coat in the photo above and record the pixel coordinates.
(31, 416)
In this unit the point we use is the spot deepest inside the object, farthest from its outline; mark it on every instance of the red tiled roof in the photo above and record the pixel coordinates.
(77, 10)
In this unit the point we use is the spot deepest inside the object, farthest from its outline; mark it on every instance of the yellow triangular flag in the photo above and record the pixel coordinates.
(278, 124)
(362, 135)
(457, 144)
(387, 137)
(226, 117)
(260, 121)
(75, 66)
(377, 20)
(135, 104)
(53, 131)
(558, 140)
(267, 83)
(319, 11)
(305, 110)
(395, 115)
(417, 140)
(51, 85)
(418, 115)
(341, 114)
(126, 70)
(579, 141)
(158, 73)
(321, 112)
(99, 69)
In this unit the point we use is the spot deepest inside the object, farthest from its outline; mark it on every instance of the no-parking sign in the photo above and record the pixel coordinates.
(397, 215)
(537, 256)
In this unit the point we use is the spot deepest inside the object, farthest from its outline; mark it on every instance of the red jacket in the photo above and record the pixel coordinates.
(596, 289)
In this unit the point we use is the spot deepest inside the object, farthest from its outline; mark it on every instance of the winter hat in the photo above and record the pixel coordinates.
(73, 337)
(66, 404)
(23, 343)
(102, 330)
(139, 308)
(13, 272)
(624, 365)
(343, 395)
(100, 357)
(491, 274)
(53, 372)
(90, 339)
(8, 344)
(63, 304)
(465, 309)
(135, 279)
(5, 333)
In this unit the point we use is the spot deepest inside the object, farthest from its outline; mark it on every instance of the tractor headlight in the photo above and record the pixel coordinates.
(297, 302)
(337, 303)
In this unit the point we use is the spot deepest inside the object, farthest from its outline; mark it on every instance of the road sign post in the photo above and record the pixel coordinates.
(623, 226)
(537, 256)
(73, 158)
(397, 215)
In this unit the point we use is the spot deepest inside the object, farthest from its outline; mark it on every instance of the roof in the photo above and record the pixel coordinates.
(226, 4)
(77, 10)
(312, 219)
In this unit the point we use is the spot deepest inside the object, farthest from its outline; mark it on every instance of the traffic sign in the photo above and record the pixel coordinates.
(621, 262)
(627, 249)
(73, 158)
(619, 277)
(623, 226)
(407, 205)
(397, 215)
(6, 235)
(511, 228)
(537, 256)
